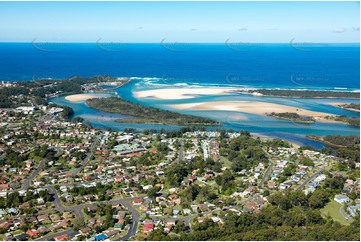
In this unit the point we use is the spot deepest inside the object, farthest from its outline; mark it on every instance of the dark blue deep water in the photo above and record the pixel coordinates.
(324, 66)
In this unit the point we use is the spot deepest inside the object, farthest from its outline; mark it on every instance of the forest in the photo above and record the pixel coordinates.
(144, 114)
(293, 117)
(289, 216)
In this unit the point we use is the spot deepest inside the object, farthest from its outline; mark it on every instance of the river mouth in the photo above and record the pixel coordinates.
(254, 123)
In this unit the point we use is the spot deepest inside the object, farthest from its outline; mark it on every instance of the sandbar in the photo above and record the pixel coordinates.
(180, 93)
(84, 97)
(260, 108)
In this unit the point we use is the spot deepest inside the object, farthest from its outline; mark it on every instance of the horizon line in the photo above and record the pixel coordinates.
(169, 42)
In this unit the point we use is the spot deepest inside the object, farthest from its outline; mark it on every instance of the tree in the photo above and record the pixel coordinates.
(318, 199)
(180, 226)
(306, 161)
(152, 192)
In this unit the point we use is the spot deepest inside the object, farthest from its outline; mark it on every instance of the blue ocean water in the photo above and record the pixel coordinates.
(327, 66)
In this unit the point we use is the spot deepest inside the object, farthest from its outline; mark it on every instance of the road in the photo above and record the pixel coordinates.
(28, 180)
(309, 179)
(269, 169)
(88, 156)
(135, 220)
(344, 214)
(180, 158)
(77, 209)
(51, 236)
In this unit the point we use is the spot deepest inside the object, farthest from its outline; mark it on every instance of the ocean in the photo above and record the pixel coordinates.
(165, 65)
(293, 65)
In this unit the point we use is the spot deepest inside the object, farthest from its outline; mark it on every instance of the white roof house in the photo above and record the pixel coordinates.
(341, 199)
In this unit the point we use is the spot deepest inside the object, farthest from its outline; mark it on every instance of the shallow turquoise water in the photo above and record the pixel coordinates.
(254, 123)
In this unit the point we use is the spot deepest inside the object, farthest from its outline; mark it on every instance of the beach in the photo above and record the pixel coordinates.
(260, 108)
(180, 93)
(84, 97)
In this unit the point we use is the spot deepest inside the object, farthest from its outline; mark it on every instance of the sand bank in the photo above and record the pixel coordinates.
(84, 97)
(180, 93)
(261, 108)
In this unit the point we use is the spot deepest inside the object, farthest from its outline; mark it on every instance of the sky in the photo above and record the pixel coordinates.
(205, 22)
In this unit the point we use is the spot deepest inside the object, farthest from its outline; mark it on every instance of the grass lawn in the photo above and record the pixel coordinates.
(17, 232)
(333, 209)
(225, 161)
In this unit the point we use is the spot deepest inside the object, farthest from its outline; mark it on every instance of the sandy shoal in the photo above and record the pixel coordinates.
(83, 97)
(339, 104)
(261, 108)
(334, 104)
(180, 93)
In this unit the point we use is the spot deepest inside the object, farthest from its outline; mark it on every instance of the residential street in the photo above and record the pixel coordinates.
(309, 179)
(28, 180)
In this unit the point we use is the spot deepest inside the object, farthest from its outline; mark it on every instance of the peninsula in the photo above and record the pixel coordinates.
(144, 114)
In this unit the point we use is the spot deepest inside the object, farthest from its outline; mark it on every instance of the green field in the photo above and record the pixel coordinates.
(225, 161)
(333, 209)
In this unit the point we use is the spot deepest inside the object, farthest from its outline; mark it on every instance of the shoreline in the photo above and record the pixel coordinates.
(265, 137)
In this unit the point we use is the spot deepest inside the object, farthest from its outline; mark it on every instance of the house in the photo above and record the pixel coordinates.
(100, 222)
(67, 215)
(353, 209)
(62, 224)
(55, 217)
(24, 206)
(32, 233)
(341, 199)
(84, 231)
(201, 219)
(252, 206)
(43, 218)
(5, 225)
(13, 210)
(192, 179)
(40, 200)
(9, 238)
(43, 230)
(63, 237)
(121, 222)
(91, 222)
(271, 184)
(4, 187)
(187, 211)
(121, 214)
(148, 226)
(21, 237)
(112, 233)
(92, 208)
(209, 174)
(137, 202)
